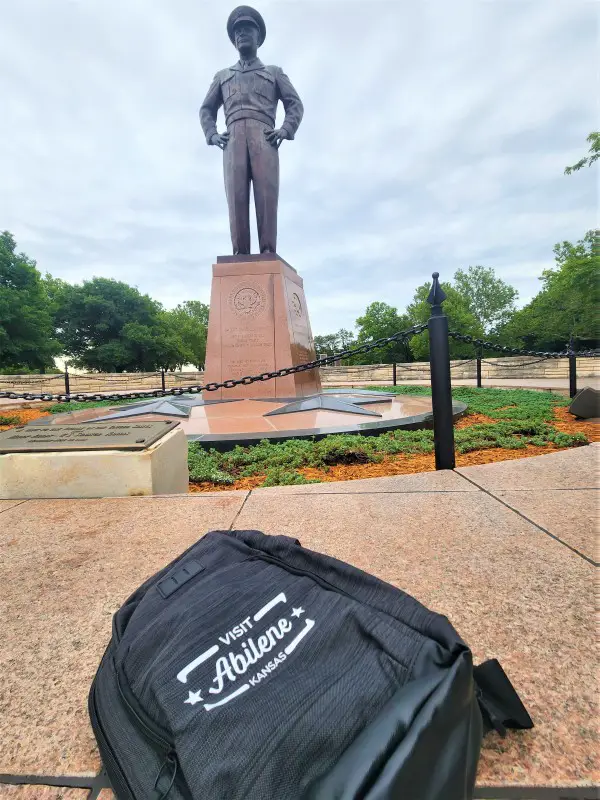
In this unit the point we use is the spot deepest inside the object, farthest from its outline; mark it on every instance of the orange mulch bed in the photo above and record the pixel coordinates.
(404, 464)
(565, 422)
(22, 415)
(474, 419)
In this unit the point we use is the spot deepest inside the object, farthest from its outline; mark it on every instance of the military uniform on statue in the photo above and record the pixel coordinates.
(258, 320)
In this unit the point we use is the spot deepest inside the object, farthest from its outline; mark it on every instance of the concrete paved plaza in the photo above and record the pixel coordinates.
(506, 551)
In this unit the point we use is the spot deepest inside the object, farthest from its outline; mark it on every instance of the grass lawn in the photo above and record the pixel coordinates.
(498, 420)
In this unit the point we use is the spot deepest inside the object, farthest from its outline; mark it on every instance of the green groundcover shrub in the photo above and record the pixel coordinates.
(522, 417)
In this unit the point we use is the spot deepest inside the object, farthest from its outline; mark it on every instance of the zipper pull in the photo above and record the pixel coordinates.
(165, 778)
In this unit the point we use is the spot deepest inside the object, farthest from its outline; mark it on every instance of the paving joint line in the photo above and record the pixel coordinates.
(535, 524)
(536, 793)
(235, 519)
(10, 508)
(555, 489)
(349, 494)
(93, 783)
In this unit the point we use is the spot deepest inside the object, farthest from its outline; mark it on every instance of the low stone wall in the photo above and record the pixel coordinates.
(528, 367)
(97, 382)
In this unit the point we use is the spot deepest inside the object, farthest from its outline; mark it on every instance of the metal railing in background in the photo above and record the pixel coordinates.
(569, 353)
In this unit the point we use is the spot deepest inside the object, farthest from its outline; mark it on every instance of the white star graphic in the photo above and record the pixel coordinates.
(297, 612)
(194, 697)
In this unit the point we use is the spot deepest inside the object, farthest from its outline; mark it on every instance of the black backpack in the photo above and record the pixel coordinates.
(253, 668)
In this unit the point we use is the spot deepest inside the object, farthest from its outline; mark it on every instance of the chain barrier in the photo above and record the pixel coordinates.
(214, 386)
(402, 367)
(74, 377)
(34, 379)
(425, 368)
(510, 365)
(175, 376)
(461, 337)
(281, 373)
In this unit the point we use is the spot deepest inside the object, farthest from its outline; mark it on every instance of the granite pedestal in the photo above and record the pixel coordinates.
(259, 323)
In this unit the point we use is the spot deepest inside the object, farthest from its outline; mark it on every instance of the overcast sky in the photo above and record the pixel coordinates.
(435, 136)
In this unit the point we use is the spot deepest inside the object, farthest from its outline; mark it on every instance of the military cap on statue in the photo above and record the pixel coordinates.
(246, 14)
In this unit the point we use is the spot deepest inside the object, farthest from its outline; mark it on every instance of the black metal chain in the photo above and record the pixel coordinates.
(510, 365)
(228, 384)
(404, 367)
(461, 337)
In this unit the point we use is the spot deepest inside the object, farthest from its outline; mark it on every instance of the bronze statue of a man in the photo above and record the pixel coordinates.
(249, 92)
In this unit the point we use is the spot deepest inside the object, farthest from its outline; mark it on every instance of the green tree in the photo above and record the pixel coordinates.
(346, 339)
(381, 320)
(326, 344)
(26, 331)
(189, 322)
(490, 299)
(332, 343)
(460, 319)
(594, 154)
(567, 304)
(108, 326)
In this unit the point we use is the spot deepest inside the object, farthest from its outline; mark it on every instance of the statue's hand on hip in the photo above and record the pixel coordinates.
(277, 136)
(220, 140)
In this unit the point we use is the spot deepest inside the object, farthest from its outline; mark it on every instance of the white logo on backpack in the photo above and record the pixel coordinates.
(237, 662)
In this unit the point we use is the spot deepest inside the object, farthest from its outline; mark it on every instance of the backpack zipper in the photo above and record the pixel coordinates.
(161, 793)
(156, 733)
(301, 572)
(116, 775)
(261, 556)
(138, 715)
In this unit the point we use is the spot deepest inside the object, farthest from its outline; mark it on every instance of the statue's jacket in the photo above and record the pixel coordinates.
(251, 92)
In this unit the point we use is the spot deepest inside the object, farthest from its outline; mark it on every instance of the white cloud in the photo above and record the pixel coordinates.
(435, 136)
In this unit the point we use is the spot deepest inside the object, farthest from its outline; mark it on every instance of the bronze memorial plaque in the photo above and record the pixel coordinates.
(85, 436)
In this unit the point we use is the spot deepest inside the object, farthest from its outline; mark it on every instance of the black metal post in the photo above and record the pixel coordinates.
(479, 354)
(67, 381)
(572, 369)
(441, 386)
(162, 379)
(394, 374)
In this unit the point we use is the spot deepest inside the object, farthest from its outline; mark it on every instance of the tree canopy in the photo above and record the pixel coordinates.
(567, 304)
(594, 154)
(460, 318)
(490, 299)
(189, 320)
(480, 304)
(26, 327)
(379, 321)
(106, 325)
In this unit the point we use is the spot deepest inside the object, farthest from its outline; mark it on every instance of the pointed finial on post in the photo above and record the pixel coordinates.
(436, 296)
